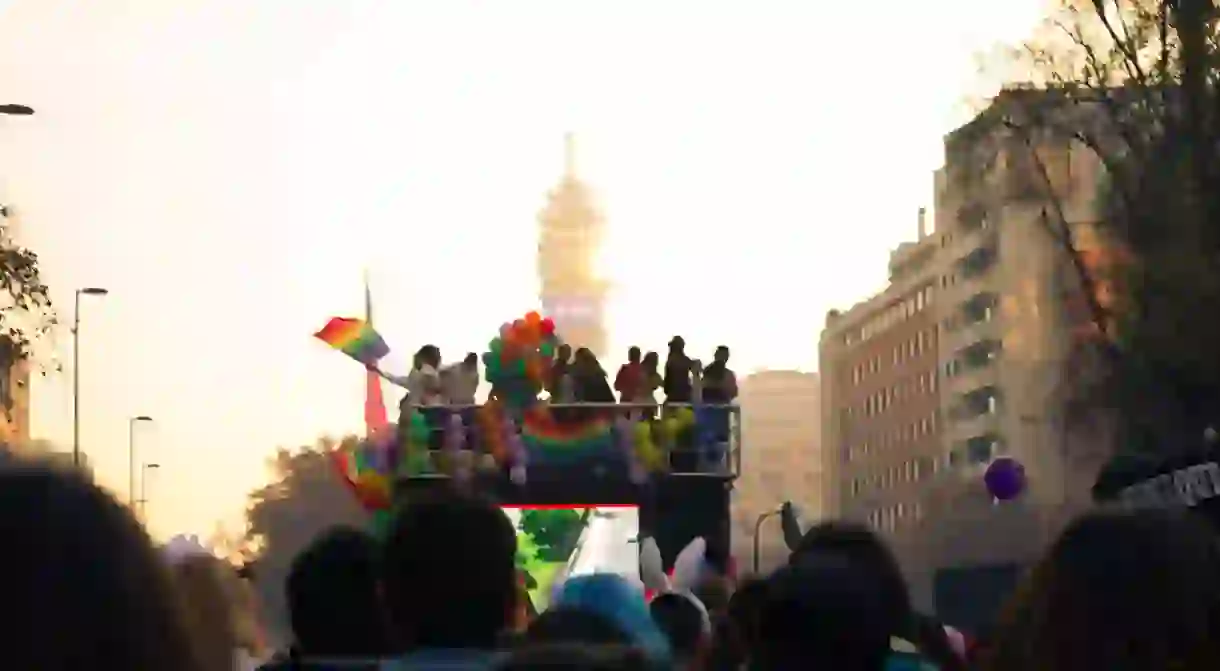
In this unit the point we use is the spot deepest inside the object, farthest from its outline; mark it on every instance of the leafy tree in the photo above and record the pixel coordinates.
(26, 313)
(554, 531)
(1137, 84)
(305, 497)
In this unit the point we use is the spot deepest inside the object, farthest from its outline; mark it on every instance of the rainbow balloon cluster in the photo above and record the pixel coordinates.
(518, 362)
(518, 366)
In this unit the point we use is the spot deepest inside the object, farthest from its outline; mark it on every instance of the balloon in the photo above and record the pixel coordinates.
(496, 345)
(625, 433)
(380, 523)
(373, 489)
(547, 349)
(418, 431)
(1005, 478)
(548, 326)
(670, 426)
(506, 330)
(533, 318)
(685, 417)
(650, 457)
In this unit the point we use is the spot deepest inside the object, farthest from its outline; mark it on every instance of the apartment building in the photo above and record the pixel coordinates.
(1009, 308)
(781, 435)
(880, 394)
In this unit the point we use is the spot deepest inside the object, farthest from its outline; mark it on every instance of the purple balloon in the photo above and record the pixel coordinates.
(1005, 478)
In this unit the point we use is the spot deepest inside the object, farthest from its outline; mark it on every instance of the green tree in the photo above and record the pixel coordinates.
(304, 497)
(26, 313)
(554, 531)
(1137, 84)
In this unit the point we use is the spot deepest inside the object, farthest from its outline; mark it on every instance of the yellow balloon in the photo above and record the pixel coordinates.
(685, 417)
(669, 430)
(373, 482)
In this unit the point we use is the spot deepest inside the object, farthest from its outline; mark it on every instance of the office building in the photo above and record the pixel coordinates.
(781, 456)
(1006, 319)
(569, 241)
(881, 423)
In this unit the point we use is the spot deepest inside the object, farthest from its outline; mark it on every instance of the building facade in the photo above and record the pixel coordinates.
(569, 242)
(1003, 327)
(880, 405)
(781, 456)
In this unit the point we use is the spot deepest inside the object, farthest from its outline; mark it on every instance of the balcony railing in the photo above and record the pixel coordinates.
(694, 439)
(982, 424)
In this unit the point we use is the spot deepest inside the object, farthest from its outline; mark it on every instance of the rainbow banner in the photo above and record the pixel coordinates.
(354, 338)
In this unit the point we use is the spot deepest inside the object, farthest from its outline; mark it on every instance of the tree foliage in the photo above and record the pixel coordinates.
(26, 313)
(554, 531)
(1135, 84)
(304, 498)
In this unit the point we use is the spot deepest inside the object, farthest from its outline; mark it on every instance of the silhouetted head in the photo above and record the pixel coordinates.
(471, 361)
(860, 546)
(683, 624)
(1121, 591)
(333, 597)
(573, 625)
(651, 361)
(823, 613)
(83, 588)
(450, 572)
(618, 601)
(745, 609)
(722, 355)
(578, 657)
(428, 355)
(633, 355)
(677, 345)
(208, 588)
(564, 353)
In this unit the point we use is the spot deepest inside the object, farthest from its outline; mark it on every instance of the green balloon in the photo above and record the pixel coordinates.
(496, 345)
(380, 524)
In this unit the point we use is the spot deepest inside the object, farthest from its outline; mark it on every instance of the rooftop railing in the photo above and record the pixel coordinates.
(695, 439)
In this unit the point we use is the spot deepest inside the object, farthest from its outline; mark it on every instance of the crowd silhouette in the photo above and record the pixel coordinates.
(1121, 589)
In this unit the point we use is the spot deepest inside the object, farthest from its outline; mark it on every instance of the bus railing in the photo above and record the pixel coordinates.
(707, 440)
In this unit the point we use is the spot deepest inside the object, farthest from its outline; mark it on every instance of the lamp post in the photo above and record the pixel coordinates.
(86, 291)
(758, 534)
(131, 457)
(16, 110)
(144, 489)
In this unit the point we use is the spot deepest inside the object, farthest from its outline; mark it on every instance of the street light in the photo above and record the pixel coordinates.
(86, 291)
(791, 527)
(131, 457)
(144, 489)
(16, 110)
(758, 534)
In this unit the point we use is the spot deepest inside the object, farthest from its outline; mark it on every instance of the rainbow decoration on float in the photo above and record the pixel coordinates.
(518, 365)
(547, 439)
(355, 338)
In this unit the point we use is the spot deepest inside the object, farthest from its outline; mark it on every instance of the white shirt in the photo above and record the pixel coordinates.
(461, 383)
(422, 384)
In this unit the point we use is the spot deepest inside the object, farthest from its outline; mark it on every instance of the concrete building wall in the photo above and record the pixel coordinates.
(781, 456)
(15, 415)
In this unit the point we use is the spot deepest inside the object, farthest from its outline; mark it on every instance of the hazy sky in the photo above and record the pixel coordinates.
(226, 168)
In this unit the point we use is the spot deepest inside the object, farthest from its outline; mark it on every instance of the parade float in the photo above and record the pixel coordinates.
(524, 450)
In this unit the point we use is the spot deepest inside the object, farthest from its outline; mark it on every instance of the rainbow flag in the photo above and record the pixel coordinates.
(354, 338)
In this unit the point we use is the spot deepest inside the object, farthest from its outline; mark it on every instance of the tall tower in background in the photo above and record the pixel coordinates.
(569, 239)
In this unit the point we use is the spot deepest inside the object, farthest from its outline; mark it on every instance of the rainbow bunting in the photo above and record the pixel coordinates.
(354, 338)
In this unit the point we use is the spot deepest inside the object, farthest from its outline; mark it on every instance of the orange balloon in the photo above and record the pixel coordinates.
(533, 318)
(533, 369)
